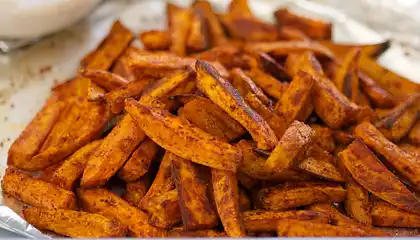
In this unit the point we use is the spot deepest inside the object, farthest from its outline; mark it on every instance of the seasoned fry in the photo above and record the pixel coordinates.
(164, 129)
(109, 50)
(198, 39)
(343, 138)
(155, 40)
(74, 224)
(196, 234)
(357, 157)
(104, 79)
(47, 173)
(267, 220)
(370, 50)
(295, 103)
(378, 95)
(244, 201)
(283, 48)
(114, 150)
(106, 203)
(411, 149)
(221, 92)
(267, 83)
(414, 135)
(291, 33)
(28, 143)
(139, 162)
(407, 165)
(196, 209)
(346, 76)
(36, 192)
(249, 28)
(291, 146)
(245, 85)
(386, 215)
(217, 34)
(135, 191)
(315, 29)
(226, 196)
(357, 203)
(72, 168)
(179, 20)
(321, 168)
(324, 137)
(270, 65)
(296, 194)
(164, 211)
(297, 228)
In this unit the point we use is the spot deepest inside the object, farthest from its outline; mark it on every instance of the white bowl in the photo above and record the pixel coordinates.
(36, 18)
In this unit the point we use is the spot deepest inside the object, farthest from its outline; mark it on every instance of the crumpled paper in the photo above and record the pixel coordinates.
(392, 19)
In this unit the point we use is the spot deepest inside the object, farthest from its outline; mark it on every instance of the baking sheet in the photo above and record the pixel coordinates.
(27, 75)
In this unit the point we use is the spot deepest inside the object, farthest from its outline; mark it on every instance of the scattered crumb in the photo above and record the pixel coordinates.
(1, 144)
(8, 139)
(44, 69)
(12, 105)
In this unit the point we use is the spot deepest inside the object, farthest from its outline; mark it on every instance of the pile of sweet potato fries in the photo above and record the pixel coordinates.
(223, 125)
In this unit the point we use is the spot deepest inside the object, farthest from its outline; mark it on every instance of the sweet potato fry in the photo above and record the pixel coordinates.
(414, 135)
(295, 103)
(248, 28)
(342, 137)
(139, 162)
(270, 65)
(196, 209)
(324, 137)
(267, 220)
(196, 234)
(229, 56)
(198, 39)
(74, 224)
(221, 92)
(135, 191)
(291, 146)
(246, 181)
(315, 29)
(244, 200)
(406, 164)
(179, 24)
(357, 203)
(386, 215)
(267, 83)
(276, 122)
(164, 211)
(254, 166)
(90, 121)
(283, 48)
(109, 50)
(104, 79)
(411, 149)
(106, 203)
(28, 143)
(183, 139)
(321, 168)
(357, 157)
(226, 196)
(72, 168)
(244, 85)
(346, 77)
(114, 150)
(47, 173)
(378, 95)
(298, 228)
(370, 50)
(213, 120)
(36, 192)
(296, 194)
(217, 34)
(121, 66)
(291, 33)
(155, 40)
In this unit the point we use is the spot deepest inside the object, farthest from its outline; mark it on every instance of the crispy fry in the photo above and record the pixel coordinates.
(291, 33)
(369, 172)
(276, 122)
(378, 95)
(321, 168)
(386, 215)
(72, 168)
(296, 194)
(270, 65)
(246, 181)
(291, 146)
(244, 85)
(248, 28)
(229, 56)
(342, 137)
(74, 224)
(155, 40)
(295, 103)
(164, 210)
(357, 203)
(407, 165)
(226, 97)
(254, 166)
(346, 76)
(217, 34)
(36, 192)
(315, 29)
(196, 234)
(270, 85)
(135, 191)
(370, 50)
(165, 130)
(196, 209)
(213, 120)
(414, 135)
(121, 66)
(244, 201)
(297, 228)
(226, 196)
(283, 48)
(411, 149)
(114, 150)
(324, 137)
(198, 39)
(109, 50)
(106, 203)
(47, 173)
(86, 127)
(266, 220)
(28, 143)
(179, 24)
(104, 79)
(139, 162)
